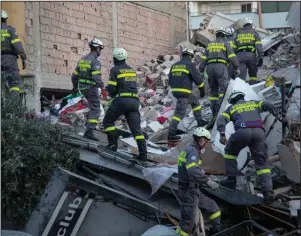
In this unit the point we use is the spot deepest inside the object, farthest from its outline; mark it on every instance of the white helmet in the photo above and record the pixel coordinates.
(248, 20)
(96, 43)
(3, 14)
(120, 54)
(221, 30)
(233, 96)
(187, 51)
(202, 132)
(230, 31)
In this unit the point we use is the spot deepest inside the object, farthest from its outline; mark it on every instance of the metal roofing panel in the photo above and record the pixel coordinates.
(274, 20)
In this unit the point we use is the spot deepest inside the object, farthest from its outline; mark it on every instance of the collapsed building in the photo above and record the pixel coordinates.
(144, 201)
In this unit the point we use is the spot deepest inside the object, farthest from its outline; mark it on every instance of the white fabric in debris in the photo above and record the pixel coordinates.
(158, 175)
(234, 85)
(70, 103)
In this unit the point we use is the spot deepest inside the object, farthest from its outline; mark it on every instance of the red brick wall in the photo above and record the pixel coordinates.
(66, 27)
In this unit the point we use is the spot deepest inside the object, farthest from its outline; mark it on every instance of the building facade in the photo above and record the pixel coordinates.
(56, 35)
(273, 13)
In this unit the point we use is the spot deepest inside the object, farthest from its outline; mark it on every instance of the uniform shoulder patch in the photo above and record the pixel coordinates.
(193, 158)
(97, 67)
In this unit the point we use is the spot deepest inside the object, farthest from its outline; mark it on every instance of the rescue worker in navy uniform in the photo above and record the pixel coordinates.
(248, 42)
(191, 179)
(86, 79)
(122, 86)
(11, 48)
(216, 58)
(182, 75)
(249, 131)
(231, 38)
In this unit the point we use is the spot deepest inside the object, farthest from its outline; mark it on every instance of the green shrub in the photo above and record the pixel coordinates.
(30, 150)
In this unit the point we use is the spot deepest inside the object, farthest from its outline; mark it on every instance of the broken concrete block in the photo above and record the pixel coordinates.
(290, 160)
(155, 126)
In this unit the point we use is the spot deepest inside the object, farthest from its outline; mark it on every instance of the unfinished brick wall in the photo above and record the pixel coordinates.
(66, 28)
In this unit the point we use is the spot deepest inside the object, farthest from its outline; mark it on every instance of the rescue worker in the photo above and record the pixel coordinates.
(182, 75)
(230, 38)
(216, 58)
(11, 49)
(249, 131)
(86, 79)
(191, 179)
(248, 42)
(122, 86)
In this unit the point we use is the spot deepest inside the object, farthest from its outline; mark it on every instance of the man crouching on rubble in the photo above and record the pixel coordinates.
(182, 75)
(191, 177)
(249, 131)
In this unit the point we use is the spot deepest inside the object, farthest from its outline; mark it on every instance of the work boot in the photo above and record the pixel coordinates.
(202, 123)
(215, 229)
(268, 197)
(211, 124)
(174, 138)
(142, 156)
(230, 182)
(90, 135)
(112, 147)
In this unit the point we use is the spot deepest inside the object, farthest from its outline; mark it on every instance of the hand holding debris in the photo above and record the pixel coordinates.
(259, 62)
(223, 139)
(212, 184)
(24, 64)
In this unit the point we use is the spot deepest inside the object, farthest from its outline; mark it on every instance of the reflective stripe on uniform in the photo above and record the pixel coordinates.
(244, 106)
(197, 108)
(215, 215)
(181, 232)
(218, 60)
(253, 78)
(139, 137)
(220, 95)
(96, 72)
(180, 70)
(111, 128)
(210, 47)
(85, 81)
(126, 75)
(260, 105)
(200, 162)
(127, 95)
(15, 40)
(226, 115)
(204, 57)
(246, 47)
(258, 42)
(230, 157)
(176, 118)
(15, 89)
(263, 171)
(182, 158)
(5, 35)
(231, 55)
(191, 165)
(181, 90)
(75, 72)
(211, 98)
(92, 121)
(112, 82)
(201, 85)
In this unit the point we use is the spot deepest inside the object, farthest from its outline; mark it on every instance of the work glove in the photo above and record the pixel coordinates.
(202, 92)
(212, 184)
(24, 64)
(236, 73)
(259, 62)
(223, 139)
